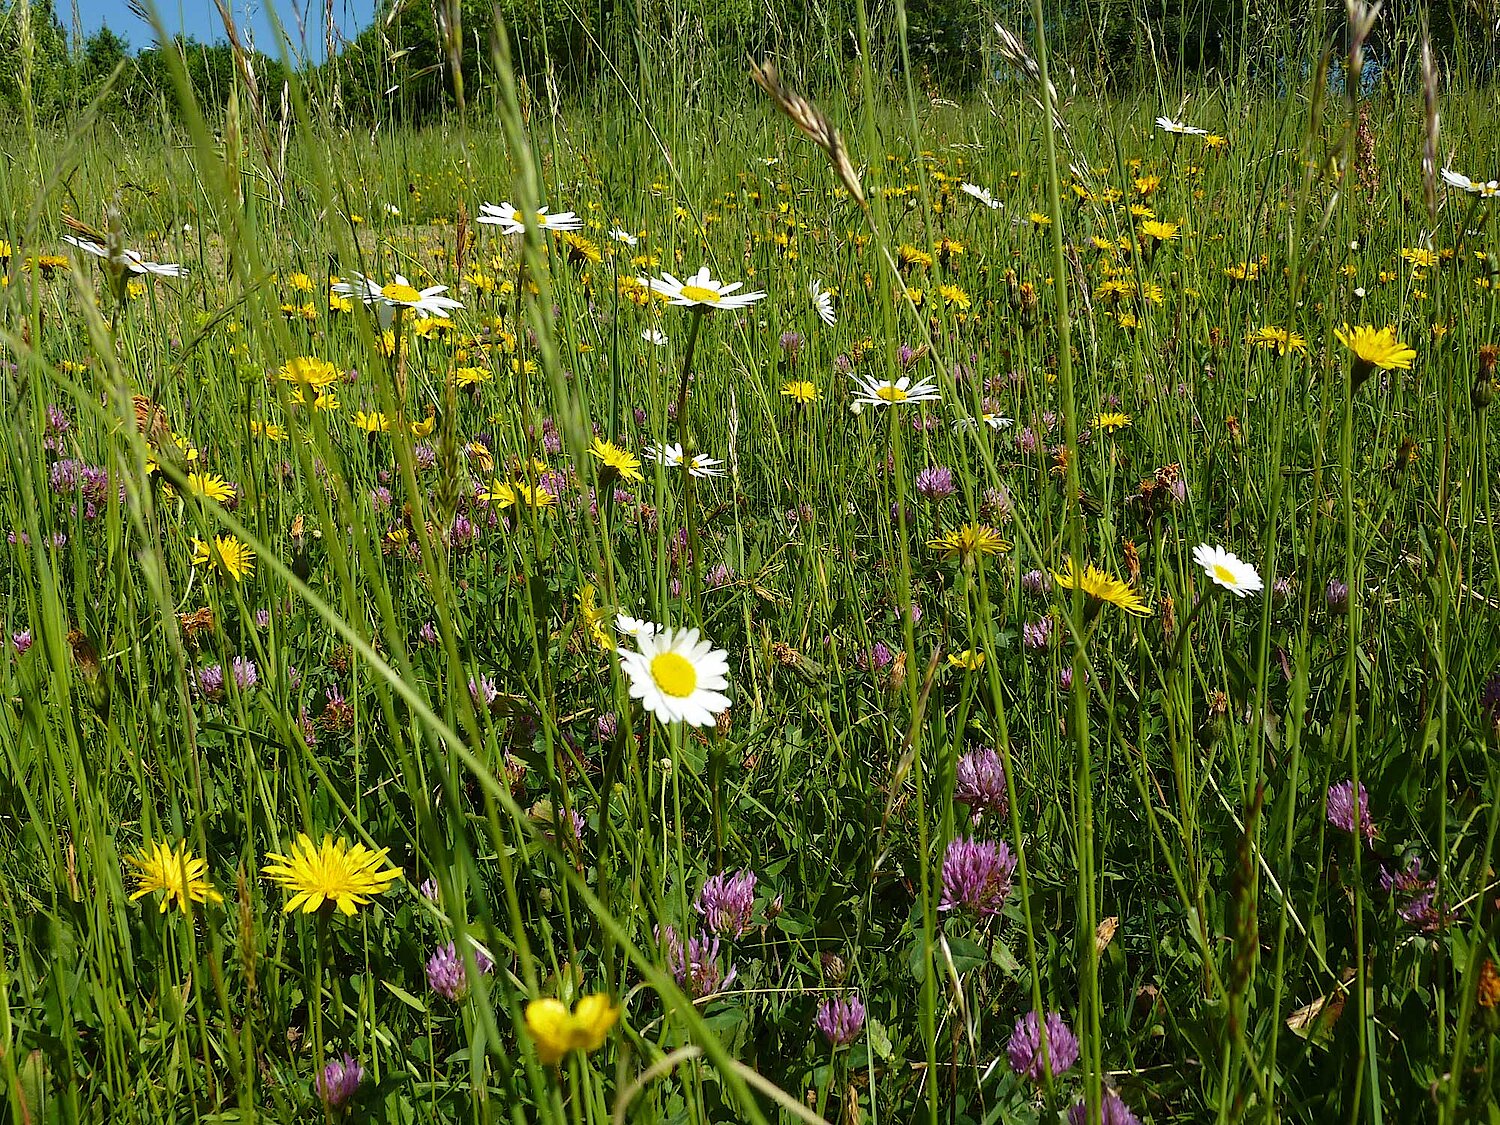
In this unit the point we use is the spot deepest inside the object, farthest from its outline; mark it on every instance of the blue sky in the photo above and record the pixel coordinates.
(200, 19)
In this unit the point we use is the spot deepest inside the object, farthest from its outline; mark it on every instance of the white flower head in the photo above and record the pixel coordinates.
(628, 626)
(399, 293)
(512, 221)
(654, 336)
(1227, 570)
(964, 424)
(1167, 125)
(823, 302)
(677, 676)
(127, 259)
(700, 290)
(1485, 190)
(620, 235)
(700, 466)
(981, 194)
(870, 391)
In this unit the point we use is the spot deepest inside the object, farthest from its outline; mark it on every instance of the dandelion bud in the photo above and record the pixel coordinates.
(1483, 392)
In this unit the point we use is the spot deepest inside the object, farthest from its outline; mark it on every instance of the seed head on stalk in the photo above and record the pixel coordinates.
(812, 121)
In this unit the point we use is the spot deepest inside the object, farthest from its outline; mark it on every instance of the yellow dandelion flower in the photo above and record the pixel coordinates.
(175, 872)
(1110, 421)
(968, 541)
(592, 616)
(1159, 231)
(556, 1031)
(210, 485)
(801, 392)
(1278, 339)
(373, 423)
(1374, 347)
(331, 876)
(471, 376)
(268, 430)
(309, 371)
(1101, 587)
(226, 554)
(479, 453)
(612, 457)
(954, 295)
(909, 257)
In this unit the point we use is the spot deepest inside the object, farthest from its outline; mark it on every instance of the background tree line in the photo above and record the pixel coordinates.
(400, 69)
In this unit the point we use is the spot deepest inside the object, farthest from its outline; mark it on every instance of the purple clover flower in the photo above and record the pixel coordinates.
(245, 675)
(483, 692)
(446, 974)
(726, 903)
(935, 483)
(1342, 811)
(841, 1020)
(339, 1081)
(1112, 1112)
(211, 682)
(1025, 1047)
(1037, 634)
(979, 782)
(695, 966)
(976, 876)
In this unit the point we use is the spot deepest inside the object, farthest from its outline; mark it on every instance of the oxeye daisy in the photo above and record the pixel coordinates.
(330, 876)
(1167, 125)
(699, 465)
(226, 554)
(628, 626)
(979, 193)
(822, 301)
(126, 259)
(1227, 570)
(700, 291)
(399, 294)
(989, 418)
(512, 221)
(872, 391)
(1101, 588)
(556, 1030)
(677, 676)
(175, 872)
(1484, 189)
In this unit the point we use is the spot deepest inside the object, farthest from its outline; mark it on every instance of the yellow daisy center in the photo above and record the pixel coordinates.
(401, 294)
(890, 393)
(700, 294)
(674, 674)
(1225, 575)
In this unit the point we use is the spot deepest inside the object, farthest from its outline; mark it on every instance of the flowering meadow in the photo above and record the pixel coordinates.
(801, 606)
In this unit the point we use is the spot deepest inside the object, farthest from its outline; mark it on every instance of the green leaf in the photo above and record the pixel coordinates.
(405, 997)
